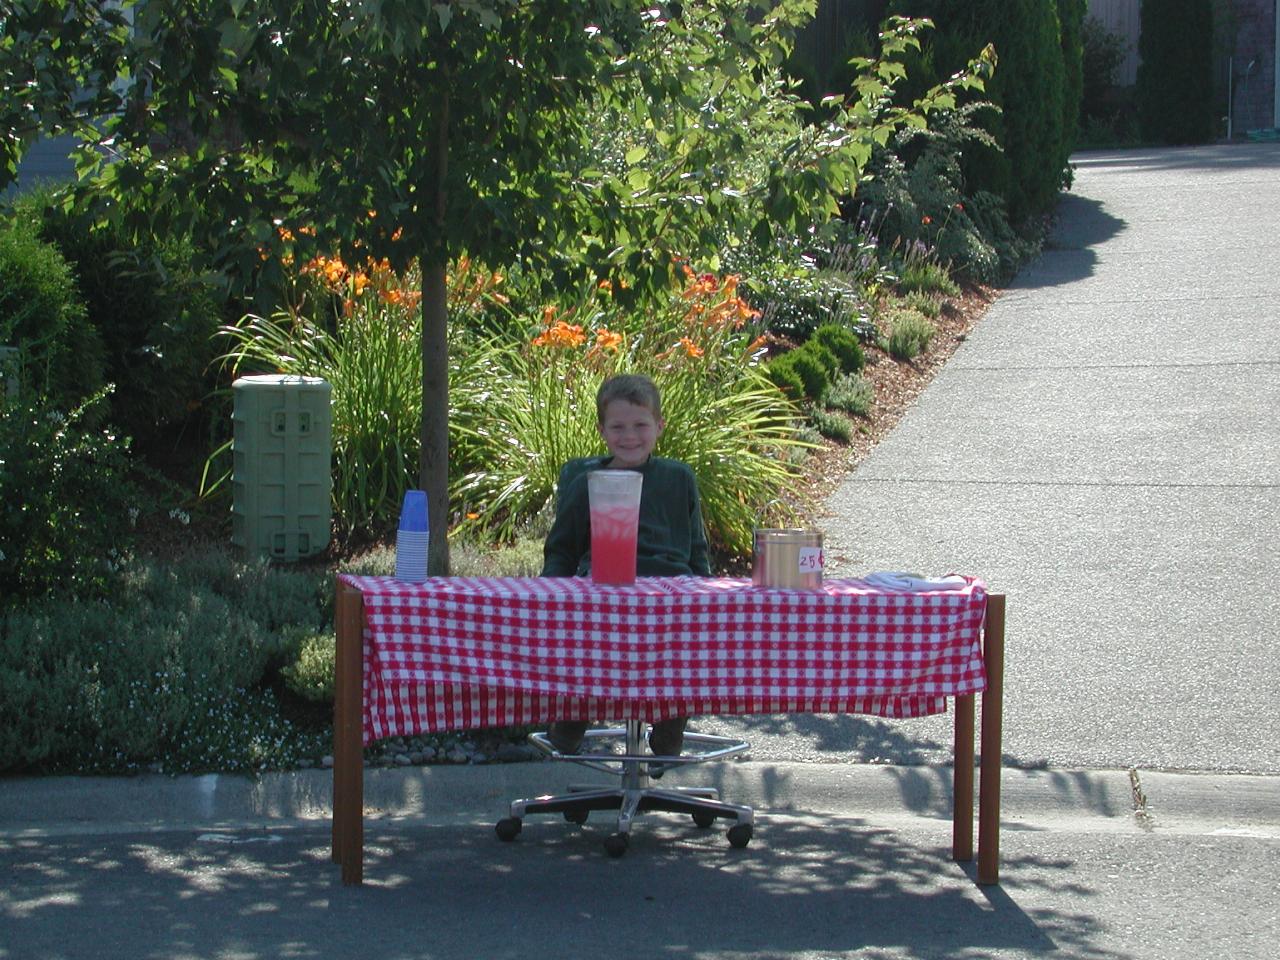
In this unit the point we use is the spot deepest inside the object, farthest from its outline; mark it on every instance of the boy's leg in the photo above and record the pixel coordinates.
(566, 735)
(666, 739)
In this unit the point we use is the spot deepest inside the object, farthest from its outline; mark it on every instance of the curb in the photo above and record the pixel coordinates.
(1085, 800)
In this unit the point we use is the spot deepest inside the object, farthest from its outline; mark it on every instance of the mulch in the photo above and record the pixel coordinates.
(897, 384)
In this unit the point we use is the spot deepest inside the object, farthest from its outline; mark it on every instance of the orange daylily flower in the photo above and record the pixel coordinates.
(608, 340)
(690, 348)
(560, 334)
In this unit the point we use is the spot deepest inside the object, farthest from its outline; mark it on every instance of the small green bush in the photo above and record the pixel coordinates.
(67, 501)
(794, 305)
(922, 275)
(834, 426)
(910, 333)
(852, 394)
(311, 674)
(809, 365)
(782, 371)
(42, 314)
(274, 597)
(1071, 17)
(923, 303)
(844, 345)
(825, 355)
(521, 558)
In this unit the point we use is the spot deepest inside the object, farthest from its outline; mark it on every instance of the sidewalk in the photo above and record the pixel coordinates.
(1105, 450)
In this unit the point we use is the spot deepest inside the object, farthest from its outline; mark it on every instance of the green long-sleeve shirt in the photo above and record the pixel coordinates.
(671, 540)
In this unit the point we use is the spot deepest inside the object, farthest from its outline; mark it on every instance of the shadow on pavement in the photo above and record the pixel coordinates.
(850, 736)
(830, 887)
(1068, 256)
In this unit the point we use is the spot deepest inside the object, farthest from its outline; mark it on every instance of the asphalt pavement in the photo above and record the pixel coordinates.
(1103, 450)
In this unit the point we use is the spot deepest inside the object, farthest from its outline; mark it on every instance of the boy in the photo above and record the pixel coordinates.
(670, 541)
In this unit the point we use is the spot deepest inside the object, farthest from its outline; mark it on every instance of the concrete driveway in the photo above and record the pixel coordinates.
(1105, 450)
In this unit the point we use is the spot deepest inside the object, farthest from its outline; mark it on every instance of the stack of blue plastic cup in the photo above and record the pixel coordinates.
(412, 538)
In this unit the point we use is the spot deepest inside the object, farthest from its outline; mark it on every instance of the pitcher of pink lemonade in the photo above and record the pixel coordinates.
(614, 496)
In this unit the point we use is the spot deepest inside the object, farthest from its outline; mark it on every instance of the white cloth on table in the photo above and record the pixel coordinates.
(912, 582)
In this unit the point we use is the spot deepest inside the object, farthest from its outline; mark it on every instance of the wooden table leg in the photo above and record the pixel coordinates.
(348, 744)
(962, 782)
(992, 749)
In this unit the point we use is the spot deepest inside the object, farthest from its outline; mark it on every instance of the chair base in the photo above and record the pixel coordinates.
(635, 793)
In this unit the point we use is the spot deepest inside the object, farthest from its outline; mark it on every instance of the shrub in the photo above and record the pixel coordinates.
(824, 354)
(910, 333)
(1071, 16)
(844, 345)
(921, 199)
(168, 669)
(468, 558)
(782, 371)
(94, 685)
(832, 425)
(277, 598)
(154, 314)
(794, 305)
(311, 674)
(1029, 85)
(42, 314)
(812, 371)
(923, 303)
(1102, 54)
(68, 501)
(1175, 75)
(852, 394)
(925, 276)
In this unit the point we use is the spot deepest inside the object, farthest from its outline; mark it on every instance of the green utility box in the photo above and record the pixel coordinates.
(280, 477)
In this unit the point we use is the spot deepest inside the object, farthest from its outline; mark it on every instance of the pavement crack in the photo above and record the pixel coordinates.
(1141, 812)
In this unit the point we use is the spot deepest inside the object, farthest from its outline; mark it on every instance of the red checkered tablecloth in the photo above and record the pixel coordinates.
(457, 653)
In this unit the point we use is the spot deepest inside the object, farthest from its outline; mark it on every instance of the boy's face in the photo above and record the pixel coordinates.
(630, 432)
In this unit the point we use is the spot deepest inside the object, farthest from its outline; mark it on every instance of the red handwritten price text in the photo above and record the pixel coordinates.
(810, 559)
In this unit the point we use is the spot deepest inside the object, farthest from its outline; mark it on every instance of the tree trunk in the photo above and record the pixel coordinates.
(433, 462)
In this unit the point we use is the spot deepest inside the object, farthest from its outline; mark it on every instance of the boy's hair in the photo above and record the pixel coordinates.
(632, 387)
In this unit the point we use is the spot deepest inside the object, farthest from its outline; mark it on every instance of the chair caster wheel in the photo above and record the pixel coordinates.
(507, 828)
(739, 835)
(704, 820)
(576, 816)
(616, 844)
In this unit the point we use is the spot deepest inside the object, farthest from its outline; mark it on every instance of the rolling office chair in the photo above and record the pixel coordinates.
(635, 792)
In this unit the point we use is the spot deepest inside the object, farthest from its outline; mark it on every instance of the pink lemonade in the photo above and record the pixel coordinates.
(613, 545)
